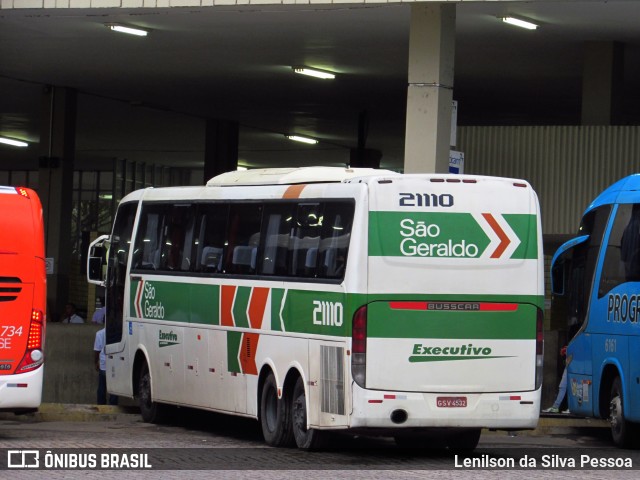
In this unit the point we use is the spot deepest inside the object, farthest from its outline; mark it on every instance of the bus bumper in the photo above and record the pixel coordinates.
(382, 409)
(21, 391)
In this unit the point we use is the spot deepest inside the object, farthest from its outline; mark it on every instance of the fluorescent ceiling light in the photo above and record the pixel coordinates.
(130, 30)
(240, 168)
(314, 72)
(12, 142)
(519, 22)
(298, 138)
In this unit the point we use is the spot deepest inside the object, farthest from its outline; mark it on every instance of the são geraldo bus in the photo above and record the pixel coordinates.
(320, 298)
(597, 276)
(22, 299)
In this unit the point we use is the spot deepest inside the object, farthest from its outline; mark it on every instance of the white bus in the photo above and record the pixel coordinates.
(317, 299)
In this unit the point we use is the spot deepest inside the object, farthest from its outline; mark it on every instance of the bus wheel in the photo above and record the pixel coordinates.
(306, 438)
(621, 429)
(465, 440)
(151, 411)
(275, 417)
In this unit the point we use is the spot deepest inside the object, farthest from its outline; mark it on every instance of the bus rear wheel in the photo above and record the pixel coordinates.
(151, 411)
(466, 440)
(622, 431)
(306, 438)
(275, 416)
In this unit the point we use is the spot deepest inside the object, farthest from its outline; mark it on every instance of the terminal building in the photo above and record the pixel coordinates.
(209, 86)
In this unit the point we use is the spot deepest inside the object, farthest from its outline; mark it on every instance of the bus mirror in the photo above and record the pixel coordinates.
(95, 268)
(558, 278)
(561, 264)
(97, 260)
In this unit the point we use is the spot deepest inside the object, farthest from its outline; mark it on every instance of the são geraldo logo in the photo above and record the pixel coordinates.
(423, 240)
(146, 304)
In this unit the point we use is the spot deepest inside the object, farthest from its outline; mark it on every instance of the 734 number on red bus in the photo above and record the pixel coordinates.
(7, 332)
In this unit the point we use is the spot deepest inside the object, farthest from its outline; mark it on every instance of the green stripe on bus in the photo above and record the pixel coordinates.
(233, 350)
(277, 295)
(385, 322)
(317, 312)
(240, 306)
(444, 235)
(526, 228)
(205, 304)
(535, 300)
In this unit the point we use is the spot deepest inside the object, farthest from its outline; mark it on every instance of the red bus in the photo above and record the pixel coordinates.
(23, 289)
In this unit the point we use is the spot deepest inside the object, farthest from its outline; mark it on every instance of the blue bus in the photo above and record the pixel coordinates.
(596, 278)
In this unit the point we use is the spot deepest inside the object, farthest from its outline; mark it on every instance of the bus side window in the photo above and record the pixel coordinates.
(148, 239)
(163, 241)
(276, 232)
(336, 235)
(209, 241)
(243, 238)
(305, 240)
(117, 270)
(583, 266)
(630, 245)
(176, 246)
(622, 256)
(211, 259)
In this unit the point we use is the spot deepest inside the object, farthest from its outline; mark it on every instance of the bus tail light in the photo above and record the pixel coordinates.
(34, 355)
(539, 347)
(359, 346)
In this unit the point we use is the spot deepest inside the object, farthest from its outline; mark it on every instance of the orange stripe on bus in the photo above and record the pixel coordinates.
(294, 191)
(227, 294)
(139, 299)
(247, 357)
(504, 238)
(257, 304)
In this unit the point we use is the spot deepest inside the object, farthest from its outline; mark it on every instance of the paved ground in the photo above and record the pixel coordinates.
(230, 447)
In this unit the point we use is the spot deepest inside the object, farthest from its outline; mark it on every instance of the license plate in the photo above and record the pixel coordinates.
(451, 402)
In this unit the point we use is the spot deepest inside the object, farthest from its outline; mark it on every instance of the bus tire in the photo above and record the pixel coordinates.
(306, 438)
(275, 415)
(622, 431)
(466, 440)
(150, 411)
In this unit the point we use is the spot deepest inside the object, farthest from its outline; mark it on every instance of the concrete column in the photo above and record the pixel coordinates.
(221, 147)
(602, 83)
(57, 152)
(363, 156)
(430, 92)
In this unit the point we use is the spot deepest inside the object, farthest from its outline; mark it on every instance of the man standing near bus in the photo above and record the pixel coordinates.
(100, 361)
(100, 313)
(70, 315)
